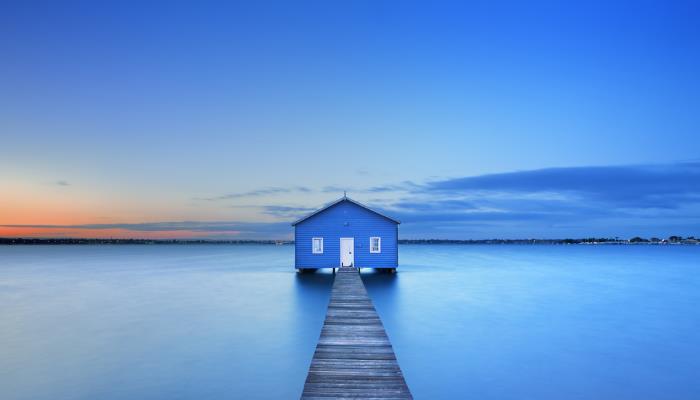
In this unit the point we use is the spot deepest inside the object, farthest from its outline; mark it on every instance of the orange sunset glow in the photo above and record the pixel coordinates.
(114, 233)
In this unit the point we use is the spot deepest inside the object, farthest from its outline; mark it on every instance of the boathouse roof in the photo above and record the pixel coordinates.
(343, 199)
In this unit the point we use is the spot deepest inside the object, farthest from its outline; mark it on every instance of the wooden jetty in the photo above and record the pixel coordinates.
(354, 358)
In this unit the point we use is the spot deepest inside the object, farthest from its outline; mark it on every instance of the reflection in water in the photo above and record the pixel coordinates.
(312, 291)
(385, 291)
(314, 282)
(382, 288)
(377, 279)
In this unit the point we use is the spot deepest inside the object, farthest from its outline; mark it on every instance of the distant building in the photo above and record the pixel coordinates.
(346, 233)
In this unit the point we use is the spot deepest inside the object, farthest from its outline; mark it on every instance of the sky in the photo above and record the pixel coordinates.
(465, 120)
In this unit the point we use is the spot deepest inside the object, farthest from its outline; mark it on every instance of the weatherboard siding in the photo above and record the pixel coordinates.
(346, 219)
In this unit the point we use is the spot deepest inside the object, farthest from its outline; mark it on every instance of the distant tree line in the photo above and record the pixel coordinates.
(133, 241)
(591, 240)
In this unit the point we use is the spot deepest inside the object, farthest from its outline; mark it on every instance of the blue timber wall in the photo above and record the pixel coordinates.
(346, 219)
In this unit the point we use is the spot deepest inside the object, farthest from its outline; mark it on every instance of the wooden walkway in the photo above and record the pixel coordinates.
(354, 358)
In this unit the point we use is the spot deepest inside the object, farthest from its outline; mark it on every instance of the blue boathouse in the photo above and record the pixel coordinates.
(346, 233)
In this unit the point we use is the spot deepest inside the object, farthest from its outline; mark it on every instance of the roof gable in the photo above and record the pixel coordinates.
(343, 199)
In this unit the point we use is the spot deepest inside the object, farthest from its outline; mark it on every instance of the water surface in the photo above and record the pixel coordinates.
(545, 322)
(213, 321)
(156, 322)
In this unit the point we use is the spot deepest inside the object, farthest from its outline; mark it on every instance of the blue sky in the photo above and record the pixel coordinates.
(470, 120)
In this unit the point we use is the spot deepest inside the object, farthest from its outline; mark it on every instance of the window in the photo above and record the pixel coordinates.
(375, 244)
(317, 245)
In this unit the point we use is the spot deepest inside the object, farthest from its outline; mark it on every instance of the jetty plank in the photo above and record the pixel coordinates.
(353, 358)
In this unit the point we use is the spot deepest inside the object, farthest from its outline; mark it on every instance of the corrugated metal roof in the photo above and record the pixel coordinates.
(344, 198)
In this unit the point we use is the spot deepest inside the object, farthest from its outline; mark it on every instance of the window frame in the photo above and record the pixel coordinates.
(379, 244)
(313, 248)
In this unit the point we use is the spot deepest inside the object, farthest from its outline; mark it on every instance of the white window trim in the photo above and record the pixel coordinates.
(313, 250)
(379, 244)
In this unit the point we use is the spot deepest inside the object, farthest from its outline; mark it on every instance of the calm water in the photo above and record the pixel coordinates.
(486, 322)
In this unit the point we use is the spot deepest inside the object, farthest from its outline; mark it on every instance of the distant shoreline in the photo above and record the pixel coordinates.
(673, 240)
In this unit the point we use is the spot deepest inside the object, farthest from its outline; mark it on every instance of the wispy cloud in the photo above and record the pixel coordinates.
(597, 200)
(208, 229)
(553, 201)
(62, 183)
(405, 186)
(664, 186)
(287, 211)
(333, 189)
(269, 191)
(587, 200)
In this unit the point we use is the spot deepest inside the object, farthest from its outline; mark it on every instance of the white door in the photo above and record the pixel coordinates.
(347, 246)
